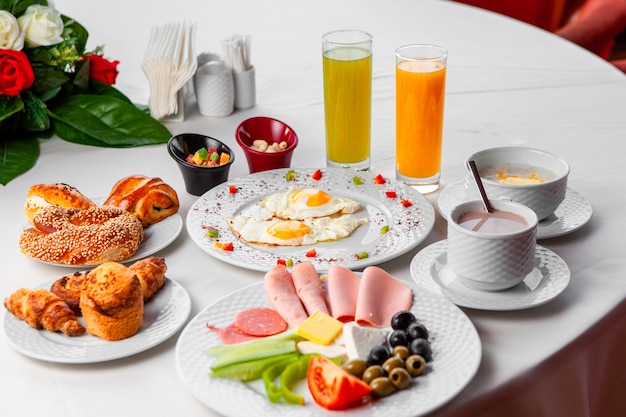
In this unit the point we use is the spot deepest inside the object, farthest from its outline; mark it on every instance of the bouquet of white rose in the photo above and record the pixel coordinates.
(50, 84)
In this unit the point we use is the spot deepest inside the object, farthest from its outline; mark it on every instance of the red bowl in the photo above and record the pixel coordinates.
(272, 131)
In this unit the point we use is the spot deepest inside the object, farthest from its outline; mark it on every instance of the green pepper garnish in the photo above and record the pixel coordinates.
(362, 255)
(274, 393)
(384, 230)
(291, 175)
(293, 373)
(212, 233)
(215, 156)
(357, 180)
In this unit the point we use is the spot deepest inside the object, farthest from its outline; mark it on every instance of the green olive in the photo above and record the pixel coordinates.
(372, 372)
(382, 387)
(393, 362)
(356, 367)
(400, 378)
(415, 364)
(401, 351)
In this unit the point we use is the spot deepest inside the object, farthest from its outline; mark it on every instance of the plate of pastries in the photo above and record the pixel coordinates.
(104, 313)
(138, 218)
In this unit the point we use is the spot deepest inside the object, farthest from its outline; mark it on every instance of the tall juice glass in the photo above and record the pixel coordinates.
(420, 90)
(347, 61)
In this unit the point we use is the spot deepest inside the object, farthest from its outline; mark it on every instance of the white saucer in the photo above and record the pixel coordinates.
(572, 214)
(550, 277)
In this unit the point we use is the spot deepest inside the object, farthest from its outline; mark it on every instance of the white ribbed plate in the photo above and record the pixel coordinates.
(549, 278)
(573, 213)
(408, 226)
(164, 315)
(456, 357)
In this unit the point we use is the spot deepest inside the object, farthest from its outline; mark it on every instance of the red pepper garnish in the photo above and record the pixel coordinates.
(317, 175)
(311, 254)
(391, 194)
(378, 179)
(232, 189)
(406, 203)
(228, 247)
(280, 261)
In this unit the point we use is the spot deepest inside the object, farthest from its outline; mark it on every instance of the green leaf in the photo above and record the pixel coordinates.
(16, 157)
(36, 117)
(106, 121)
(10, 106)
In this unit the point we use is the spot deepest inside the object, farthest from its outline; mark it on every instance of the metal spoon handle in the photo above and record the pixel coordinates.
(481, 188)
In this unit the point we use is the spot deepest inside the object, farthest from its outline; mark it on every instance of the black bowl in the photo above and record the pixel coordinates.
(198, 180)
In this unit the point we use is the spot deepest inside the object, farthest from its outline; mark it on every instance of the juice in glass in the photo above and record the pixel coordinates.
(347, 101)
(420, 90)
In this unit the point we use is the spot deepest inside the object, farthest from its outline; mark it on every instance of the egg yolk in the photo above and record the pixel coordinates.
(288, 229)
(311, 198)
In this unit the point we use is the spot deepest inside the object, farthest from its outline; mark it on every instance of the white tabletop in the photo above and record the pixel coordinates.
(508, 84)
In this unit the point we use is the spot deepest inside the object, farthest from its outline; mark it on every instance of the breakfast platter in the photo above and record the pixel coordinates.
(393, 219)
(573, 213)
(549, 278)
(455, 343)
(163, 316)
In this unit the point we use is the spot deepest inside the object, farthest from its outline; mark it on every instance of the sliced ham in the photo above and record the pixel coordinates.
(380, 297)
(309, 287)
(231, 335)
(343, 290)
(281, 293)
(260, 322)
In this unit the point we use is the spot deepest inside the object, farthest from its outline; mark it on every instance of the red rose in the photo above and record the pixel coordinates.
(16, 73)
(101, 69)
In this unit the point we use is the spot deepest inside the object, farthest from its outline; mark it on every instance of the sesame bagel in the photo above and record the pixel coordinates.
(82, 237)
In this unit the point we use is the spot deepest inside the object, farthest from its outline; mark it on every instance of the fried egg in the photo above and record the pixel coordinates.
(300, 204)
(288, 232)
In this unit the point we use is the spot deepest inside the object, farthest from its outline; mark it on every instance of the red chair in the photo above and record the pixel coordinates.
(592, 24)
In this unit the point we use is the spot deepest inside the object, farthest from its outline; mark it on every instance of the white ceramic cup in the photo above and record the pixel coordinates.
(245, 88)
(215, 91)
(492, 261)
(543, 198)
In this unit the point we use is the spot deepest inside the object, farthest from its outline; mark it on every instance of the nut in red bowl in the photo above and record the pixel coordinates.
(267, 143)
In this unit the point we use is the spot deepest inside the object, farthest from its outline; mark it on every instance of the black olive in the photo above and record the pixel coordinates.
(398, 338)
(421, 347)
(402, 319)
(416, 330)
(378, 355)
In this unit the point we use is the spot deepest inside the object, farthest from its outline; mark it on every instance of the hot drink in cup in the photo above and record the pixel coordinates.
(491, 251)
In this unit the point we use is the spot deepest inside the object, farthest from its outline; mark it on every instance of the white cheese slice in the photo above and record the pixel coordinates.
(360, 340)
(334, 350)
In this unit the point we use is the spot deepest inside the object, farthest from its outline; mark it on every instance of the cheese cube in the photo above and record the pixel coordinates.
(360, 340)
(320, 328)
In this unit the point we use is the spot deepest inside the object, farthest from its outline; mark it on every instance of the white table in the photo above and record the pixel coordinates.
(508, 84)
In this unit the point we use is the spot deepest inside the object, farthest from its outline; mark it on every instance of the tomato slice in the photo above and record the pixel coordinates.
(332, 387)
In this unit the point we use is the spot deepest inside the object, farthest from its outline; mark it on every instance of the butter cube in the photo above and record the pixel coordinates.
(320, 328)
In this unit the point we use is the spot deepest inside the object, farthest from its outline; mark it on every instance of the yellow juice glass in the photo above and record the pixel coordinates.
(347, 62)
(420, 90)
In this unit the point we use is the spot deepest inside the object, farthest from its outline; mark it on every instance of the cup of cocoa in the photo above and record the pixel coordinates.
(491, 251)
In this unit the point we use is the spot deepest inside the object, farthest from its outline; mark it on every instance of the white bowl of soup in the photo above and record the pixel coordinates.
(532, 177)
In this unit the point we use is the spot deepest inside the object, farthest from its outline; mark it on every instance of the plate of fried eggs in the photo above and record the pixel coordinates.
(326, 216)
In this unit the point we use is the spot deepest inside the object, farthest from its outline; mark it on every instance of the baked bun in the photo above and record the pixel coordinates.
(58, 194)
(111, 301)
(149, 199)
(68, 288)
(151, 274)
(82, 237)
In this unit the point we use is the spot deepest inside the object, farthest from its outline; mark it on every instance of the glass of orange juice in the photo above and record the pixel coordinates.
(347, 62)
(420, 90)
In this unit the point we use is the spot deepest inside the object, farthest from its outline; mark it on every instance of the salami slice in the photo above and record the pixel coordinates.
(260, 322)
(231, 335)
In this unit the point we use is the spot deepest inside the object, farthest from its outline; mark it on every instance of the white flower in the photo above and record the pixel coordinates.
(42, 26)
(11, 37)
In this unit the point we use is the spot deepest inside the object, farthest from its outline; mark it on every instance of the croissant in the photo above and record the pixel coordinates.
(43, 309)
(68, 289)
(149, 199)
(151, 274)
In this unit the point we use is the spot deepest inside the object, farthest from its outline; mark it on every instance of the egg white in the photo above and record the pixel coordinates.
(285, 232)
(300, 204)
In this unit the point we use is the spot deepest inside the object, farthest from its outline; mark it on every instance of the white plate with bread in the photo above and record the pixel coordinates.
(163, 316)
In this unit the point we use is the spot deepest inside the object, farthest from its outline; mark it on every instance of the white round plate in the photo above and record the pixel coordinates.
(549, 278)
(408, 226)
(573, 213)
(456, 357)
(164, 315)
